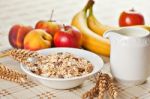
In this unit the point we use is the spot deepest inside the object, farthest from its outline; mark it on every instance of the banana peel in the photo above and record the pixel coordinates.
(95, 25)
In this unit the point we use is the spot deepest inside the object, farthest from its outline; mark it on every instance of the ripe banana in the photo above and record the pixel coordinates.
(100, 28)
(95, 25)
(91, 40)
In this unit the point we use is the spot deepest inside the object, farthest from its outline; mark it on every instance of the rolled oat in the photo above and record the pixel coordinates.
(62, 65)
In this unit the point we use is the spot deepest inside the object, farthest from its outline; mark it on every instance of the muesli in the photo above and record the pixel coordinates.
(62, 65)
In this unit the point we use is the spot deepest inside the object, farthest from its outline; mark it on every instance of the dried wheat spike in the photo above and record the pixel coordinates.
(21, 52)
(11, 75)
(97, 77)
(16, 80)
(112, 88)
(103, 85)
(22, 55)
(99, 89)
(91, 93)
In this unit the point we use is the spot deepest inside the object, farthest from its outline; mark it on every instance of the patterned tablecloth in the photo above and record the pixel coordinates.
(30, 11)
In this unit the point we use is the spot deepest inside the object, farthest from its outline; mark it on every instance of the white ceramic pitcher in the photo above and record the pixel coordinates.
(130, 54)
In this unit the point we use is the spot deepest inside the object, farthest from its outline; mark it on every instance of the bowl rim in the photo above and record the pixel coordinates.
(64, 79)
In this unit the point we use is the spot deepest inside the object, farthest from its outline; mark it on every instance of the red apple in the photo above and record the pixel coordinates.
(17, 34)
(68, 37)
(130, 18)
(50, 27)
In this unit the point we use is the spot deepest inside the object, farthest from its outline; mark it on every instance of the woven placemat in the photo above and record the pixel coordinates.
(33, 89)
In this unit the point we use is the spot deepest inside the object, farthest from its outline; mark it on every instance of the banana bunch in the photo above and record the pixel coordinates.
(93, 30)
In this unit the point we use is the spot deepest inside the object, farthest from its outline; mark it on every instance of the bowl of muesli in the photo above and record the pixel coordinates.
(64, 68)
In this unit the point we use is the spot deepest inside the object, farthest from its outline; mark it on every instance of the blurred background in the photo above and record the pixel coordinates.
(28, 12)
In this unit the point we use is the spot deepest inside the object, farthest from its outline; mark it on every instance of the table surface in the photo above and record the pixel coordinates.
(28, 12)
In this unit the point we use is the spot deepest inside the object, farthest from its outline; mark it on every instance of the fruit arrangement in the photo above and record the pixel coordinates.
(46, 34)
(93, 29)
(85, 31)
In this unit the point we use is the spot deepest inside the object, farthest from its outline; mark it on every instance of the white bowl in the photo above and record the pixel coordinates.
(67, 83)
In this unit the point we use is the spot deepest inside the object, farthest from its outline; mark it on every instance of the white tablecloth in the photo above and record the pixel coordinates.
(28, 12)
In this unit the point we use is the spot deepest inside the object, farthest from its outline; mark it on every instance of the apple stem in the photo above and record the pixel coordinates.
(52, 12)
(64, 27)
(132, 10)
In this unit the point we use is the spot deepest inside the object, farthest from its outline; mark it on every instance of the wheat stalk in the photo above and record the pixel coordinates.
(12, 75)
(22, 55)
(112, 89)
(103, 83)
